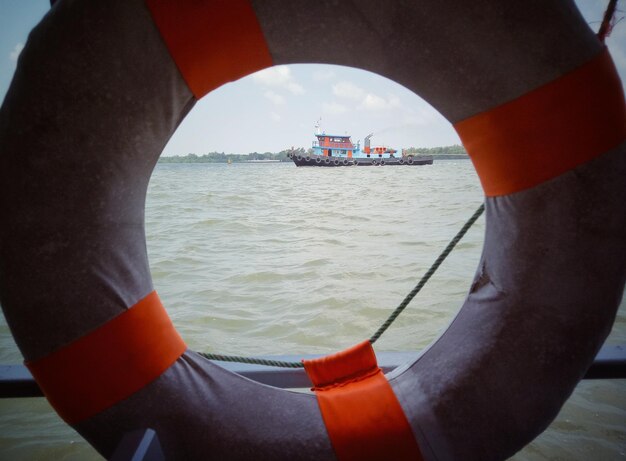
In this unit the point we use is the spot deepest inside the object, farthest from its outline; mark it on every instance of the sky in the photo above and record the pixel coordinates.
(277, 108)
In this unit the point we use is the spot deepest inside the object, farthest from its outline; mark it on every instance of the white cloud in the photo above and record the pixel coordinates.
(274, 97)
(423, 118)
(295, 88)
(413, 119)
(348, 90)
(323, 75)
(278, 77)
(363, 99)
(394, 101)
(375, 102)
(272, 76)
(334, 108)
(15, 53)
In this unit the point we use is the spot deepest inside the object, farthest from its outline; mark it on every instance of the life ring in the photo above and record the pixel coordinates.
(298, 157)
(336, 162)
(73, 262)
(410, 161)
(345, 161)
(318, 160)
(374, 162)
(382, 162)
(401, 161)
(327, 161)
(307, 158)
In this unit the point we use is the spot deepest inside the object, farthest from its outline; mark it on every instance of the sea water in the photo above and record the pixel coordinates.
(263, 259)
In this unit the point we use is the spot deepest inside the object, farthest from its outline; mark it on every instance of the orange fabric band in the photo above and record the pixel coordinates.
(212, 42)
(110, 363)
(548, 131)
(362, 415)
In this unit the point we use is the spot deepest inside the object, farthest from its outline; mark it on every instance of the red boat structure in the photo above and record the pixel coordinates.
(331, 150)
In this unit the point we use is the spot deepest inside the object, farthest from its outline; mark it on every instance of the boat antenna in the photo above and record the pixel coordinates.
(317, 126)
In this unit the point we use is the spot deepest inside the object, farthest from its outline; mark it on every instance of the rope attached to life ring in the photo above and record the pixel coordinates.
(386, 324)
(607, 22)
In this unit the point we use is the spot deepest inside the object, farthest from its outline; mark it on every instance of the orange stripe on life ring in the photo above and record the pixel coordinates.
(548, 131)
(362, 415)
(110, 363)
(212, 42)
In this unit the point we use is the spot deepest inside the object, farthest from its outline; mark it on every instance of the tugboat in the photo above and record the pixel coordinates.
(331, 150)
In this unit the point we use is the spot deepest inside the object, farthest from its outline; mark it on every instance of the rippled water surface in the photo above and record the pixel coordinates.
(274, 259)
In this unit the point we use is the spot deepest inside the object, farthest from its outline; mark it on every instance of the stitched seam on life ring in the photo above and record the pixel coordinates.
(355, 378)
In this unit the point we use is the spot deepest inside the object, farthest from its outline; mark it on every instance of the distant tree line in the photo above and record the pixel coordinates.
(455, 151)
(221, 157)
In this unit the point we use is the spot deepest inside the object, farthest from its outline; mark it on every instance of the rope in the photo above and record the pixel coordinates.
(254, 360)
(444, 254)
(606, 26)
(397, 311)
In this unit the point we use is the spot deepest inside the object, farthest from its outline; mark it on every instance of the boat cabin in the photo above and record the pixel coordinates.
(330, 145)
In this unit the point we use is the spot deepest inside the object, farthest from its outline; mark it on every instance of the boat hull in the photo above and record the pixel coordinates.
(320, 161)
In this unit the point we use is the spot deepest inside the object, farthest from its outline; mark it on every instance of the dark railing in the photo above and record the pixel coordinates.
(16, 380)
(143, 445)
